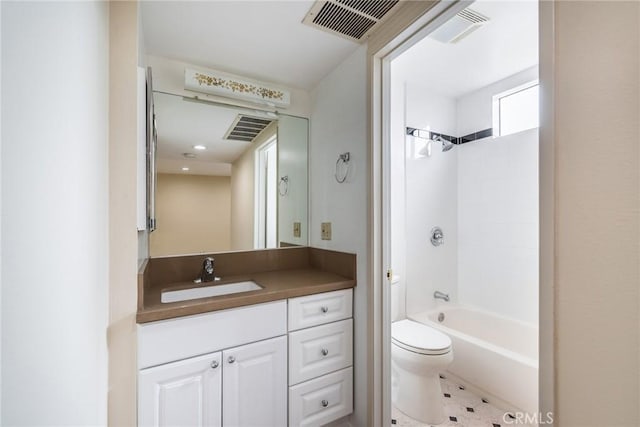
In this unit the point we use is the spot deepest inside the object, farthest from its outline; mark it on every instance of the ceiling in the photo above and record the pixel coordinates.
(264, 40)
(507, 44)
(181, 124)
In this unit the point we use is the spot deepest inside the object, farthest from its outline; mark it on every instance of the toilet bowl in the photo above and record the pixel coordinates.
(418, 354)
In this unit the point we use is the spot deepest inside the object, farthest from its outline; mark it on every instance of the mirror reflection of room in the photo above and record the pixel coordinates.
(229, 177)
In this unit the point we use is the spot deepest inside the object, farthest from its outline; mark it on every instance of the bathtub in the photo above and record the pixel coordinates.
(495, 354)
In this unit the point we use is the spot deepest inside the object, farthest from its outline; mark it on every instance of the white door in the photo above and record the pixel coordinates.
(255, 384)
(183, 393)
(267, 188)
(271, 197)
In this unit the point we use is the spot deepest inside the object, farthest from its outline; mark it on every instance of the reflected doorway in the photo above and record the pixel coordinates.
(267, 195)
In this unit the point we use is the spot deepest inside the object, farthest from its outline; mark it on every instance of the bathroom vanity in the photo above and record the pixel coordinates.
(280, 355)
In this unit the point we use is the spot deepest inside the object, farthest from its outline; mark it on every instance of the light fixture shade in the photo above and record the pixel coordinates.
(230, 86)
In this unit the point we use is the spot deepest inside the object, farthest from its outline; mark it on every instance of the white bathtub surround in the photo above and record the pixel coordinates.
(463, 408)
(431, 202)
(498, 225)
(496, 354)
(484, 195)
(424, 195)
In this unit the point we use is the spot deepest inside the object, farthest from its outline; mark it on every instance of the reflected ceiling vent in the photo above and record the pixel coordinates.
(246, 128)
(351, 19)
(460, 26)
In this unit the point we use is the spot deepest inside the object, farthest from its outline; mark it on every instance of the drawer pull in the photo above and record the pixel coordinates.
(324, 309)
(324, 351)
(231, 359)
(214, 364)
(325, 403)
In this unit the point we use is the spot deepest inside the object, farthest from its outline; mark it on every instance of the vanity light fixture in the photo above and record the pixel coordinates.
(185, 169)
(214, 82)
(199, 147)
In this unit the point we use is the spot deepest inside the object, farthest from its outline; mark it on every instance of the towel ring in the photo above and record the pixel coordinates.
(283, 189)
(344, 160)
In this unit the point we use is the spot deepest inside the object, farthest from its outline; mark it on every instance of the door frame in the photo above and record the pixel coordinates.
(412, 22)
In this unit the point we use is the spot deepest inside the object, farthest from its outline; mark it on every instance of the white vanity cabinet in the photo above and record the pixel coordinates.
(272, 364)
(225, 368)
(320, 358)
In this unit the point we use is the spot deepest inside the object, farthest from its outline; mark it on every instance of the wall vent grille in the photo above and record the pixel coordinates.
(351, 19)
(246, 128)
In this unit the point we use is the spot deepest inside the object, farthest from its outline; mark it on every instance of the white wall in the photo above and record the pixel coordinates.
(426, 109)
(597, 224)
(54, 219)
(339, 124)
(498, 225)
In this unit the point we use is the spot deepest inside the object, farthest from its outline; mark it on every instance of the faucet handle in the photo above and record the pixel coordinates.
(207, 265)
(437, 236)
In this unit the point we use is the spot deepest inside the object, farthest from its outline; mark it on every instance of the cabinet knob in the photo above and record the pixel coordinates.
(324, 309)
(214, 364)
(231, 359)
(325, 403)
(324, 351)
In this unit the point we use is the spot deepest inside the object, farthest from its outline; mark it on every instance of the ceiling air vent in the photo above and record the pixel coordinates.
(246, 128)
(460, 26)
(351, 19)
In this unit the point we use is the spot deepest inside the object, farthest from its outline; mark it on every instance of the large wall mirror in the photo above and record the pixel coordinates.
(228, 178)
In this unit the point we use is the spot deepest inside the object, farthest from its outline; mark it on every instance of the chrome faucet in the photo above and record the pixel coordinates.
(441, 295)
(207, 274)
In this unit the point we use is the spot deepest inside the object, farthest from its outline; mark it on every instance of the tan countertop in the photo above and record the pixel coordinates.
(277, 285)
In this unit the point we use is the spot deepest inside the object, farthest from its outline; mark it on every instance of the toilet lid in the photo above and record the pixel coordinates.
(419, 338)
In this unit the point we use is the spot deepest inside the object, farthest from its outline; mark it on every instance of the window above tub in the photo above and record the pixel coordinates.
(517, 109)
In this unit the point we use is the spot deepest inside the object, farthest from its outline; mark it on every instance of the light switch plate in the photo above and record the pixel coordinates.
(326, 230)
(296, 229)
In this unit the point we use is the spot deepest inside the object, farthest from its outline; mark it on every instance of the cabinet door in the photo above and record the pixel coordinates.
(183, 393)
(255, 384)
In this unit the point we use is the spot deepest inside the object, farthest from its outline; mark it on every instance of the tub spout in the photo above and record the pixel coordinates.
(441, 295)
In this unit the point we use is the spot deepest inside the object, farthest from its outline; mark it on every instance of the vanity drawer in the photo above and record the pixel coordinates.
(317, 309)
(322, 400)
(320, 350)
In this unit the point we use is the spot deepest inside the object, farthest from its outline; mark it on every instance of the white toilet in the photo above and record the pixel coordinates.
(419, 354)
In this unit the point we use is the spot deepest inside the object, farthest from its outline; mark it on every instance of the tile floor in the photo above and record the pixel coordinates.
(462, 409)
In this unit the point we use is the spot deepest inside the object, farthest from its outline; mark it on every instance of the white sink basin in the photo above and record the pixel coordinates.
(209, 291)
